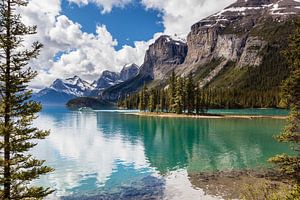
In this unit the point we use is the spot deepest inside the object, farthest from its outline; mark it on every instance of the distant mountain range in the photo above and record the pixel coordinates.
(61, 91)
(239, 47)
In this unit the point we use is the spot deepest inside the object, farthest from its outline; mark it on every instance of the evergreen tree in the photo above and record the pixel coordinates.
(17, 111)
(162, 100)
(152, 101)
(143, 98)
(172, 92)
(290, 165)
(190, 94)
(196, 100)
(178, 106)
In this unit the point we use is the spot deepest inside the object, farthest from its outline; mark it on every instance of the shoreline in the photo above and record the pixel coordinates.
(234, 184)
(208, 116)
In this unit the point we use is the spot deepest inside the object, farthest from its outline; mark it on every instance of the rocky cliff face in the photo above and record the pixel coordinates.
(243, 35)
(108, 78)
(162, 57)
(235, 34)
(128, 72)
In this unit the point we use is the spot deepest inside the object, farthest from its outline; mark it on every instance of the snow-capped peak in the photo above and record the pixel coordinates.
(73, 81)
(75, 86)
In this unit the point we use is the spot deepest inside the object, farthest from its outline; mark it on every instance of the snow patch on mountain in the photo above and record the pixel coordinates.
(73, 86)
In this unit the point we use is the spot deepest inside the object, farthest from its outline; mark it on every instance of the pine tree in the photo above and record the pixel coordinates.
(178, 106)
(172, 92)
(143, 98)
(162, 100)
(152, 101)
(190, 94)
(290, 165)
(197, 103)
(17, 111)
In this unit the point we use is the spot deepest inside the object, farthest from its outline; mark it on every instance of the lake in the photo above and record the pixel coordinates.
(116, 155)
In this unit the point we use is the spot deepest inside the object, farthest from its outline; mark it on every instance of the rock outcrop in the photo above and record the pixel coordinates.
(109, 78)
(129, 71)
(235, 34)
(162, 57)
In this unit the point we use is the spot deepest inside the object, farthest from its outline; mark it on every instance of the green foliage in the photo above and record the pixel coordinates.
(172, 92)
(143, 103)
(190, 94)
(204, 70)
(88, 102)
(17, 111)
(289, 166)
(153, 100)
(265, 190)
(273, 31)
(180, 96)
(294, 194)
(257, 86)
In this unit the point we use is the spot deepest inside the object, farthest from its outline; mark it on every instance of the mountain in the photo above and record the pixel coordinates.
(160, 60)
(239, 47)
(109, 78)
(129, 71)
(62, 91)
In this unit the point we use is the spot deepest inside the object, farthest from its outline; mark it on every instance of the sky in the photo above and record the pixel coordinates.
(86, 37)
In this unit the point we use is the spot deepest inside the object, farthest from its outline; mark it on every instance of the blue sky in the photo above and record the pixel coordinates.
(79, 36)
(126, 24)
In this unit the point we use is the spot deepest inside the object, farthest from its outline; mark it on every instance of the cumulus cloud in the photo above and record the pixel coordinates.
(87, 55)
(180, 15)
(83, 54)
(105, 5)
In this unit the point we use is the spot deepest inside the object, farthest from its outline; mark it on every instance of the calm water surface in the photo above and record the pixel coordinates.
(109, 154)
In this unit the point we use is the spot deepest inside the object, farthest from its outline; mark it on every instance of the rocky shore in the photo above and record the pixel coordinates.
(240, 184)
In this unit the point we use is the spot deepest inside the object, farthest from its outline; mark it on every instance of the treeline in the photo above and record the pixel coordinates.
(183, 95)
(238, 98)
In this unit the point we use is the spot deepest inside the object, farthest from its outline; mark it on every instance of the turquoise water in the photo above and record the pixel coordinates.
(112, 154)
(268, 112)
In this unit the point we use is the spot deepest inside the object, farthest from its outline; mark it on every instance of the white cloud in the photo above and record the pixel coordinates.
(87, 55)
(105, 5)
(180, 15)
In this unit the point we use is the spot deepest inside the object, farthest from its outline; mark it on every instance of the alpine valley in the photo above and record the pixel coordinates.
(235, 51)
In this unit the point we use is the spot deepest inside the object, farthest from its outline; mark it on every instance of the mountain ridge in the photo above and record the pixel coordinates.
(63, 90)
(243, 33)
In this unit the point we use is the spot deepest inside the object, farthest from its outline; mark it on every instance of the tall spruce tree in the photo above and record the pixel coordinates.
(290, 165)
(143, 98)
(17, 111)
(190, 94)
(179, 95)
(172, 92)
(152, 101)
